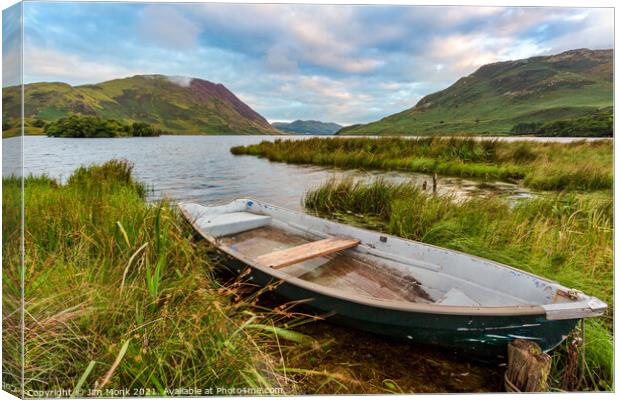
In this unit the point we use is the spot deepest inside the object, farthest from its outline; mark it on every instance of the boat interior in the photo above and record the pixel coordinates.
(365, 263)
(324, 265)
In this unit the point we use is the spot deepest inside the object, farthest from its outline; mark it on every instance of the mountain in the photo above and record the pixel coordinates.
(501, 95)
(308, 127)
(174, 104)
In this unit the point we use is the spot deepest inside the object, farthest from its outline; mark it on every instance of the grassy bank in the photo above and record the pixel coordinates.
(565, 237)
(544, 166)
(119, 295)
(28, 131)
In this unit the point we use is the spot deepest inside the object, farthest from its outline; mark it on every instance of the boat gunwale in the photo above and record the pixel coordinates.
(396, 305)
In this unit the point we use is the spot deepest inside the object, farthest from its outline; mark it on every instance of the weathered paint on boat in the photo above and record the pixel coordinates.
(482, 337)
(480, 330)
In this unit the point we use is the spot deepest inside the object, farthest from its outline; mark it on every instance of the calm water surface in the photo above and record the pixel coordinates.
(201, 168)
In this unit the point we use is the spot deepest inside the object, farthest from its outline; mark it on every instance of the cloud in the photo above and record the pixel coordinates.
(11, 67)
(167, 26)
(279, 59)
(11, 46)
(54, 65)
(592, 28)
(183, 81)
(290, 35)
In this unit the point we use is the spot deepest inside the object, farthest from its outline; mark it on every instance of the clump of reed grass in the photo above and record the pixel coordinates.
(566, 237)
(118, 294)
(578, 165)
(11, 284)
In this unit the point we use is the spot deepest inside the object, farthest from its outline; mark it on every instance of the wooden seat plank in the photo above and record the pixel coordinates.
(294, 255)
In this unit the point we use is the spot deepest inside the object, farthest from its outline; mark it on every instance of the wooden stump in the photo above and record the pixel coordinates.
(528, 367)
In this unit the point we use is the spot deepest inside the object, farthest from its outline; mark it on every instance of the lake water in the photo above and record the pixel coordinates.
(201, 168)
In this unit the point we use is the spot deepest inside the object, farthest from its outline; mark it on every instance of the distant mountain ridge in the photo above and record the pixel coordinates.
(173, 104)
(498, 96)
(309, 127)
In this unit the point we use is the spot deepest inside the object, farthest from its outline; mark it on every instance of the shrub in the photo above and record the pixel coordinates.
(78, 126)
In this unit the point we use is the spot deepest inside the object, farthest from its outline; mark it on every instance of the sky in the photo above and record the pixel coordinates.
(345, 64)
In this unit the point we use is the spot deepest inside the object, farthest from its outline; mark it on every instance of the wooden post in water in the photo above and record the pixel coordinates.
(528, 367)
(434, 182)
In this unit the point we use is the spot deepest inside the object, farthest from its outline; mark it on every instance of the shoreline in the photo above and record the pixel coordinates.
(507, 138)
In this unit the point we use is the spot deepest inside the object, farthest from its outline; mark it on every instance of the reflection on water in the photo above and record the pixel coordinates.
(201, 168)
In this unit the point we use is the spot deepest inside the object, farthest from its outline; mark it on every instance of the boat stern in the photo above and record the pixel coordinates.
(582, 306)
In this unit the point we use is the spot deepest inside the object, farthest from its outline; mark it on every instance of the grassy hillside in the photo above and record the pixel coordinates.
(192, 106)
(501, 95)
(308, 127)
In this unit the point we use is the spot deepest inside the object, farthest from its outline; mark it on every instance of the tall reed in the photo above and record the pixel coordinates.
(578, 165)
(119, 295)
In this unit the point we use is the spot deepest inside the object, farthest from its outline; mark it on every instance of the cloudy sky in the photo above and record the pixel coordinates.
(347, 64)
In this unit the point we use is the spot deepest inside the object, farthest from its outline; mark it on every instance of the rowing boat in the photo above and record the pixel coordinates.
(388, 285)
